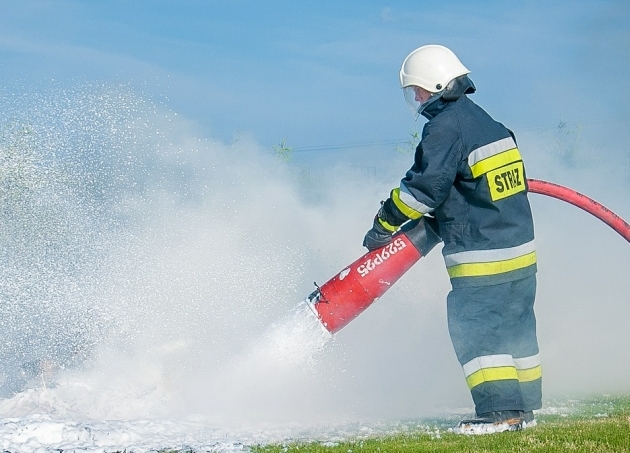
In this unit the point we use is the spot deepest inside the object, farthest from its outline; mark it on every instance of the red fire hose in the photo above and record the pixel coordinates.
(583, 202)
(347, 294)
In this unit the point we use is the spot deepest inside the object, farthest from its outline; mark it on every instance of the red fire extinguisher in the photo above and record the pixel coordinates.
(351, 291)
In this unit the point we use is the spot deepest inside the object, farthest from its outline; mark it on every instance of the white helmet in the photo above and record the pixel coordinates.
(430, 67)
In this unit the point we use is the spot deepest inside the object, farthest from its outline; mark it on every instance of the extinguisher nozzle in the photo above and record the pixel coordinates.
(311, 301)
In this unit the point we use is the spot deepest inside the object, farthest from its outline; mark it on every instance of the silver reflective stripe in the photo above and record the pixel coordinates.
(489, 256)
(410, 200)
(525, 363)
(490, 150)
(487, 361)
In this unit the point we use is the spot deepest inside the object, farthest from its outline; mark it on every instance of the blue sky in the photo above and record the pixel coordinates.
(326, 73)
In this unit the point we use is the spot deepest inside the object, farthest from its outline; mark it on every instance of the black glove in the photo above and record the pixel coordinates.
(377, 237)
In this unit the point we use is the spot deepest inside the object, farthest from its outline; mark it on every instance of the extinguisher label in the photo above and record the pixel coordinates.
(371, 263)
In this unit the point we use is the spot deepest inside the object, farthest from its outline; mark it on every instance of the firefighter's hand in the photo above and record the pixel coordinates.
(377, 237)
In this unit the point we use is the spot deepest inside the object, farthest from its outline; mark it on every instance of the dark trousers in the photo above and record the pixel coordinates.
(493, 330)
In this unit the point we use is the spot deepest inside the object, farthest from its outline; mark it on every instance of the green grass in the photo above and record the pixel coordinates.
(592, 425)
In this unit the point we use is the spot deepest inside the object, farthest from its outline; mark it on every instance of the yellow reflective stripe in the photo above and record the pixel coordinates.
(490, 149)
(487, 256)
(387, 225)
(491, 374)
(403, 207)
(496, 161)
(530, 374)
(491, 268)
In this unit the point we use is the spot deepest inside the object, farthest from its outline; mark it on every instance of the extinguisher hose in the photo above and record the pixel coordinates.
(583, 202)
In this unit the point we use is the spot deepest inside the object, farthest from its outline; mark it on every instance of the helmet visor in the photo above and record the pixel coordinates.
(410, 97)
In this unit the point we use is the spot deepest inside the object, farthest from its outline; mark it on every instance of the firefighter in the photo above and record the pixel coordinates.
(468, 178)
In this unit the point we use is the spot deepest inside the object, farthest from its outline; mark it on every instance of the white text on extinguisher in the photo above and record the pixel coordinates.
(389, 250)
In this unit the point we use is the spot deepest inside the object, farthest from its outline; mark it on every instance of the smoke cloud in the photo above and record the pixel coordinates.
(149, 271)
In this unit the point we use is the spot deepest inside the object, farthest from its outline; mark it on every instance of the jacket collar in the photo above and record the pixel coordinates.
(433, 106)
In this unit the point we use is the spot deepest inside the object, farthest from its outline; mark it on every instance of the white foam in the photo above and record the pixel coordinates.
(125, 403)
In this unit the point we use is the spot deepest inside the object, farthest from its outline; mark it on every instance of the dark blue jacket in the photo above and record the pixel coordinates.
(469, 175)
